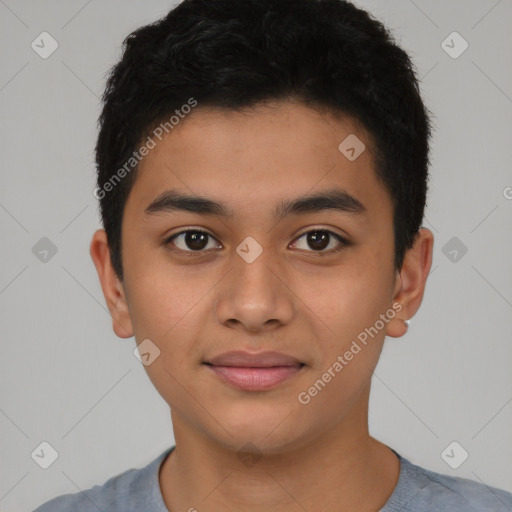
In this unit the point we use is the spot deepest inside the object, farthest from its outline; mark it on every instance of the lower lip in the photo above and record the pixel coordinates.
(255, 379)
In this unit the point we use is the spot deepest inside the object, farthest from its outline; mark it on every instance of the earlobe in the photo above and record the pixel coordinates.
(112, 287)
(410, 283)
(397, 327)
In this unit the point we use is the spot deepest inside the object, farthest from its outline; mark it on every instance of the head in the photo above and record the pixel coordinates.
(281, 118)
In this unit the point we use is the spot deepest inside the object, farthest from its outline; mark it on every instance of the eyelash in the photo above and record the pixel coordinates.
(343, 242)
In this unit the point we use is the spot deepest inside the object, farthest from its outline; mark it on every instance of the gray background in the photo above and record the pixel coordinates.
(65, 378)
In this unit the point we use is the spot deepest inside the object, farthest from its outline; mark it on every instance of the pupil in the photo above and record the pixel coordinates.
(195, 240)
(318, 240)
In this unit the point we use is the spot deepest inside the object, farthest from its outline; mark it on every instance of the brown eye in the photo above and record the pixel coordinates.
(320, 239)
(191, 240)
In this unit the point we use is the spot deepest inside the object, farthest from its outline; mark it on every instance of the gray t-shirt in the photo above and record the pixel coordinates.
(417, 490)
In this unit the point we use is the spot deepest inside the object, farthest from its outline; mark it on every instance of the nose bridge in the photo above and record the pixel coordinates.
(252, 293)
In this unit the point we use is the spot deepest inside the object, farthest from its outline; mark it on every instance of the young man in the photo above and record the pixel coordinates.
(262, 176)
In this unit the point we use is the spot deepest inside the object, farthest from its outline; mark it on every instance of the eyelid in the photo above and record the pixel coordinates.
(309, 229)
(340, 238)
(170, 238)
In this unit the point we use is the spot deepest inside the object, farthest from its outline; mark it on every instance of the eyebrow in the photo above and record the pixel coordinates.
(331, 199)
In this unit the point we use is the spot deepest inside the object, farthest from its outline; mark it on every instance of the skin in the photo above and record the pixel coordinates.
(318, 456)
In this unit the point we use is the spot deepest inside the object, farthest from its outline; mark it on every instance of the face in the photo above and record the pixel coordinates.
(262, 269)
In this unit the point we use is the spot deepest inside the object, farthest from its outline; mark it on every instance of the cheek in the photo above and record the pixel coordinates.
(162, 297)
(344, 301)
(348, 349)
(165, 305)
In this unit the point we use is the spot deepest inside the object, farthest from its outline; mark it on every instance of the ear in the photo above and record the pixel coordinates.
(112, 287)
(411, 280)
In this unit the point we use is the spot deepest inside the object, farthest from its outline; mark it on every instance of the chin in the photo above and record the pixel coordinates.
(269, 429)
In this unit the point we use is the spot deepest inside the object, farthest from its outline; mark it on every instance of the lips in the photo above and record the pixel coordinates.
(254, 371)
(257, 360)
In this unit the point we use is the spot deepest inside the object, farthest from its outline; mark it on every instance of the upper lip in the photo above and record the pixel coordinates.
(241, 358)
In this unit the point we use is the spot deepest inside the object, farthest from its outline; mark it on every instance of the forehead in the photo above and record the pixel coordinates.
(252, 160)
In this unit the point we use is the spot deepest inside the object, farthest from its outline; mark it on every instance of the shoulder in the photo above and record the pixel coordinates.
(102, 497)
(424, 490)
(124, 492)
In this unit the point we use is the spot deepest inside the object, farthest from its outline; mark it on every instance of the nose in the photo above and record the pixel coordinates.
(255, 296)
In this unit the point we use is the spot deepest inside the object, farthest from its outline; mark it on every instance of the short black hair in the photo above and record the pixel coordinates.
(233, 54)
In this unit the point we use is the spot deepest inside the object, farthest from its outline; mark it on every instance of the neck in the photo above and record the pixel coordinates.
(345, 469)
